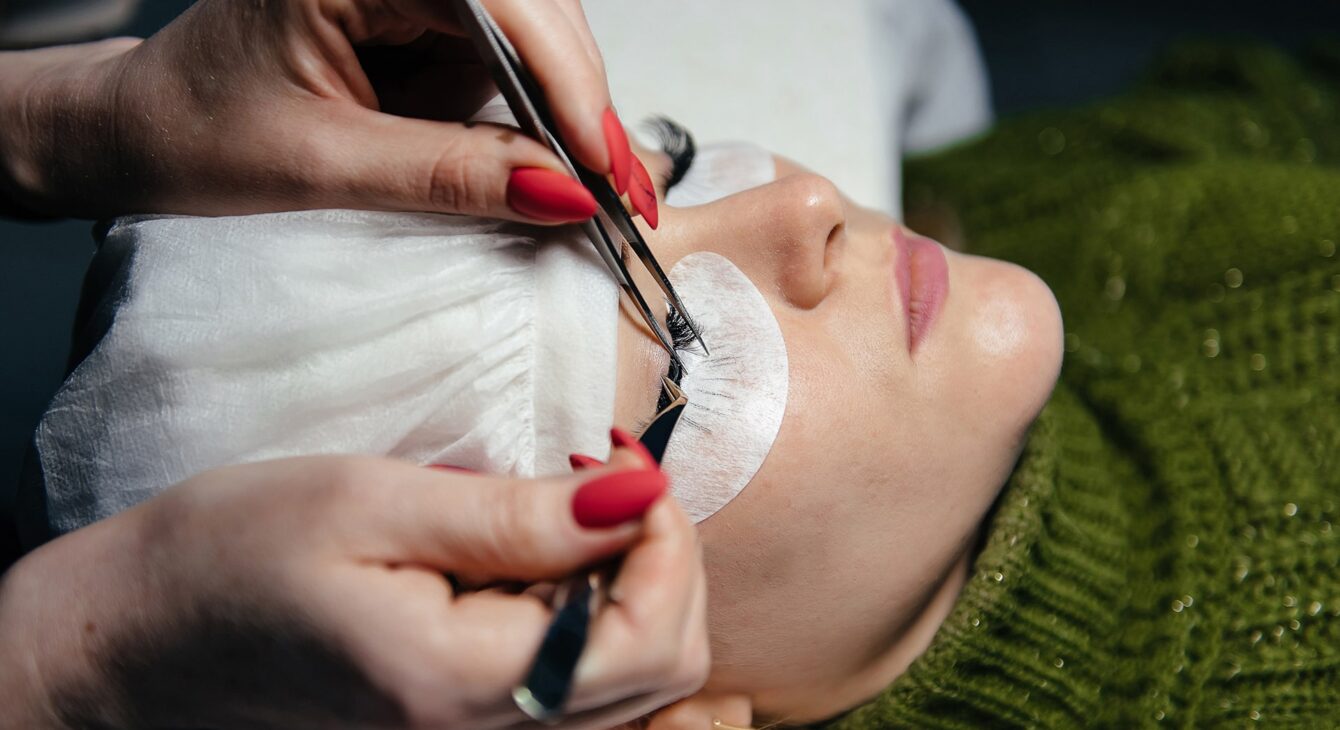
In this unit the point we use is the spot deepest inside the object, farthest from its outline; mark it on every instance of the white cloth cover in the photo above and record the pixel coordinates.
(433, 338)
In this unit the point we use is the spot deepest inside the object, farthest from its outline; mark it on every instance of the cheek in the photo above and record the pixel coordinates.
(1000, 329)
(1011, 339)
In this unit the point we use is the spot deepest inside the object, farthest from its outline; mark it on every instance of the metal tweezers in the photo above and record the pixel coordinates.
(544, 692)
(527, 103)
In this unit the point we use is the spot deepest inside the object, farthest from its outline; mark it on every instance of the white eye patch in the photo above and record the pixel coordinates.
(737, 395)
(720, 169)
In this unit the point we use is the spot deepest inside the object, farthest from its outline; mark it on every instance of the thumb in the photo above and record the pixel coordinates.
(368, 159)
(518, 529)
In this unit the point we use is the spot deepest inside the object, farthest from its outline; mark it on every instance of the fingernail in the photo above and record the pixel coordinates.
(621, 439)
(621, 154)
(643, 194)
(582, 461)
(617, 498)
(452, 467)
(548, 196)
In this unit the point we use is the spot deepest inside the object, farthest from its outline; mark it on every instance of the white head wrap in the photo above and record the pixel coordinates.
(437, 339)
(433, 338)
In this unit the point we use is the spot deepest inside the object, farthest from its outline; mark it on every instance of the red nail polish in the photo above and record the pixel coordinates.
(548, 196)
(617, 498)
(452, 467)
(621, 154)
(622, 439)
(582, 461)
(642, 194)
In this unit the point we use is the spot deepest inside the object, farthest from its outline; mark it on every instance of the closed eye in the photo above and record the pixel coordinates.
(677, 144)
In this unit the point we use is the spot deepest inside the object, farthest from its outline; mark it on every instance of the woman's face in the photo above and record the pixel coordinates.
(832, 569)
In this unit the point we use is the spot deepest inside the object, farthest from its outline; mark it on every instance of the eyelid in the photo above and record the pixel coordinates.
(676, 143)
(665, 179)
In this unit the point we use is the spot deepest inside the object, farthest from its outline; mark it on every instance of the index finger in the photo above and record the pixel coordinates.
(558, 49)
(577, 16)
(560, 58)
(498, 527)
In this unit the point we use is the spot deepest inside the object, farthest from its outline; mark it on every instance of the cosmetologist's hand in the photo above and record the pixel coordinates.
(248, 107)
(310, 592)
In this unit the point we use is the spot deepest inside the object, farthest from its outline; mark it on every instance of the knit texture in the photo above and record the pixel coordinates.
(1166, 553)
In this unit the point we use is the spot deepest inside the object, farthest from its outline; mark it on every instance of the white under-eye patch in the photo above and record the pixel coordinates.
(737, 395)
(720, 169)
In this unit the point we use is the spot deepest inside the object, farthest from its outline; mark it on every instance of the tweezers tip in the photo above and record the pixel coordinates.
(675, 357)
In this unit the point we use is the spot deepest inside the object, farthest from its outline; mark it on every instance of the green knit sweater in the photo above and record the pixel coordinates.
(1168, 551)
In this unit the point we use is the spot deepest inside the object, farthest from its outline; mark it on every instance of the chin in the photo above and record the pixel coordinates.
(1009, 337)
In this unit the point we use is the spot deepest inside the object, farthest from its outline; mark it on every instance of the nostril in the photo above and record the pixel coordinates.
(834, 247)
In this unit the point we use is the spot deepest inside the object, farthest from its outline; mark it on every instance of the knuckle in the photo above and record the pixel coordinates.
(311, 159)
(513, 520)
(347, 481)
(416, 690)
(646, 662)
(695, 667)
(660, 666)
(458, 181)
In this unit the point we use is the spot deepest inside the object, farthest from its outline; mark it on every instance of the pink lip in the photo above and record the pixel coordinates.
(922, 275)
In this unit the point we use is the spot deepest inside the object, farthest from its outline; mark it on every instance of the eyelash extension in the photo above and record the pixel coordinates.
(680, 328)
(676, 142)
(681, 338)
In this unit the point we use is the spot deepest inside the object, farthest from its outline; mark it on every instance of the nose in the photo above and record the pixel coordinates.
(786, 236)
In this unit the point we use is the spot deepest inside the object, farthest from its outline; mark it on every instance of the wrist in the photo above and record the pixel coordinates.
(71, 612)
(24, 698)
(58, 145)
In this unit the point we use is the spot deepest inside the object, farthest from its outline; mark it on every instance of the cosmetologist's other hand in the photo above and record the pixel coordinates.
(247, 107)
(310, 593)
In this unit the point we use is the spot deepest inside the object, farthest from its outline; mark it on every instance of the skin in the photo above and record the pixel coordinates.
(250, 107)
(834, 568)
(311, 593)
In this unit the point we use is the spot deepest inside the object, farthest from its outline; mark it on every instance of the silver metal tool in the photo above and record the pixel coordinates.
(612, 227)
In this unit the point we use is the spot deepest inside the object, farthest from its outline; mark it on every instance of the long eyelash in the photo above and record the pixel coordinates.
(681, 329)
(682, 339)
(676, 142)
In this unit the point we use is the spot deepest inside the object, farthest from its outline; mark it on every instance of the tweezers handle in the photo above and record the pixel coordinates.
(547, 686)
(525, 99)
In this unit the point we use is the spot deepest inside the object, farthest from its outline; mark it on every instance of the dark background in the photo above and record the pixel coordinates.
(1039, 53)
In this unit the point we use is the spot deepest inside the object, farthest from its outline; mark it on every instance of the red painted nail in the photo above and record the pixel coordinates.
(452, 467)
(622, 439)
(582, 461)
(617, 498)
(548, 196)
(642, 194)
(621, 154)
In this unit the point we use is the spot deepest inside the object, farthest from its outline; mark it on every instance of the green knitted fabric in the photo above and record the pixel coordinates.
(1168, 551)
